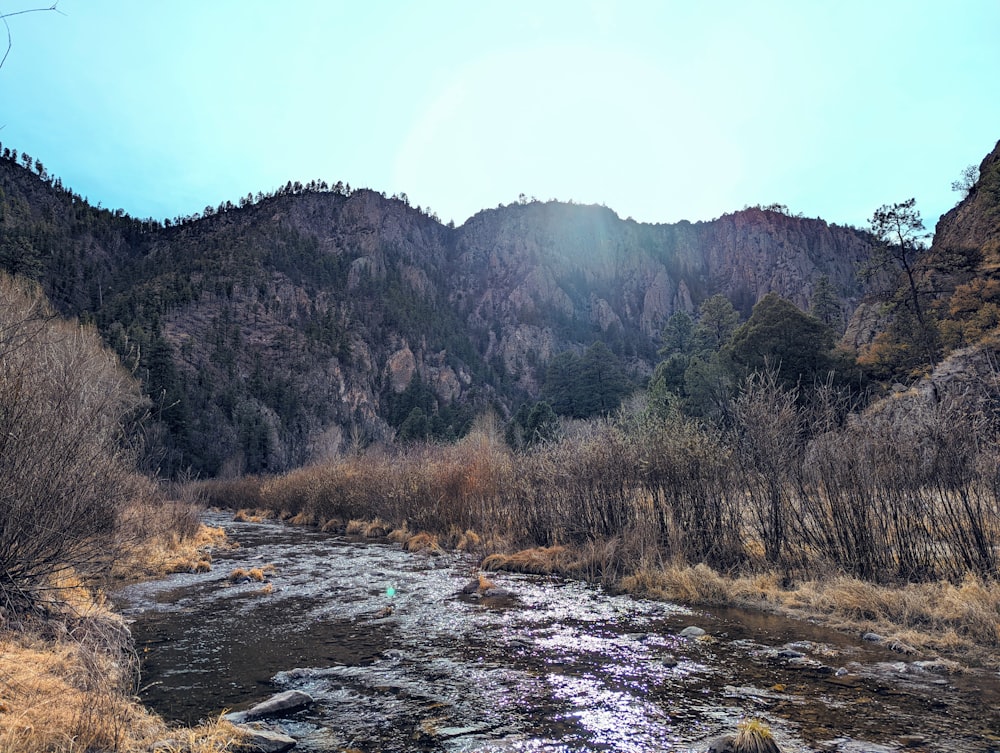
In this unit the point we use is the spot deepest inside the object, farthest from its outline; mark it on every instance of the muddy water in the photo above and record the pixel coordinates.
(399, 660)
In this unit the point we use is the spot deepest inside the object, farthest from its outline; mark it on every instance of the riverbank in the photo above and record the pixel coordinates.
(957, 622)
(404, 649)
(888, 525)
(69, 672)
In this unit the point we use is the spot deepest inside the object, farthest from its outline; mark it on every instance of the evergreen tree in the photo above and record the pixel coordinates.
(717, 320)
(780, 336)
(824, 304)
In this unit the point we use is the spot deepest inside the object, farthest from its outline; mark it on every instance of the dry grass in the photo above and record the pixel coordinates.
(255, 574)
(303, 518)
(401, 534)
(67, 684)
(753, 736)
(332, 525)
(422, 542)
(252, 516)
(356, 527)
(960, 620)
(543, 560)
(72, 692)
(688, 585)
(166, 551)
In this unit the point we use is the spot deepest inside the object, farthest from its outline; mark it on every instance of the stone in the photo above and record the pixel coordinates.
(692, 631)
(872, 637)
(264, 741)
(723, 744)
(280, 704)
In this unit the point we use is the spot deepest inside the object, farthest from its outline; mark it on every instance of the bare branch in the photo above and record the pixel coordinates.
(5, 16)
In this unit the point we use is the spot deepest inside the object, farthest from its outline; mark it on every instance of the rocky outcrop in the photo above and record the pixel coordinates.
(975, 222)
(260, 329)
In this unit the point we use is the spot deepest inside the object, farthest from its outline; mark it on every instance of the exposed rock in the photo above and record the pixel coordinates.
(309, 310)
(280, 704)
(692, 631)
(401, 367)
(264, 741)
(723, 744)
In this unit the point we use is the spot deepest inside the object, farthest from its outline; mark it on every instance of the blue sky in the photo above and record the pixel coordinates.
(662, 111)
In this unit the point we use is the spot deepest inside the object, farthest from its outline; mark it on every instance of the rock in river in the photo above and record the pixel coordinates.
(280, 704)
(265, 741)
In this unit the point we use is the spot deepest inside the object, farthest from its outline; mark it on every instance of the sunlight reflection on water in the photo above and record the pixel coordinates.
(560, 667)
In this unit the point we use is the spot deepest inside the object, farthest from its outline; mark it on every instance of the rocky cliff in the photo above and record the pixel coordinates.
(287, 328)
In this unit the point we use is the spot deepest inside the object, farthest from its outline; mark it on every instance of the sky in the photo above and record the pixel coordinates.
(662, 111)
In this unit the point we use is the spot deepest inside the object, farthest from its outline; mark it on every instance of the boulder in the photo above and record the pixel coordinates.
(264, 741)
(280, 704)
(692, 631)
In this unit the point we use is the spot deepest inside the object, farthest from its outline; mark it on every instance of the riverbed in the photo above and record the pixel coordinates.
(397, 658)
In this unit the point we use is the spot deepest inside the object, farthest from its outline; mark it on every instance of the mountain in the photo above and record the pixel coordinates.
(948, 300)
(299, 322)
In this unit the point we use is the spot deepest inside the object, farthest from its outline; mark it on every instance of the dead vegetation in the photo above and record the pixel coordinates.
(779, 508)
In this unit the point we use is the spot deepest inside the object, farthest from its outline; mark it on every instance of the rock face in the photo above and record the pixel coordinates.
(267, 333)
(975, 222)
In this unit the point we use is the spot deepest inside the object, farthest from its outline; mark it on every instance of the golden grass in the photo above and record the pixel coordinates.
(401, 534)
(332, 525)
(303, 518)
(252, 516)
(940, 617)
(168, 553)
(67, 696)
(463, 541)
(753, 736)
(67, 684)
(422, 542)
(543, 560)
(689, 585)
(255, 574)
(356, 528)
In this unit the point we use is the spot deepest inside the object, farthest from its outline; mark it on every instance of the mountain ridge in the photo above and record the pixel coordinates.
(271, 333)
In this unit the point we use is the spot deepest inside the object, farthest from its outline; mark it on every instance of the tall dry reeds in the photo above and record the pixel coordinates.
(905, 492)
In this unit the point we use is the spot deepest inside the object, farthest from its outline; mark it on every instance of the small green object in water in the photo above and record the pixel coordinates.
(390, 592)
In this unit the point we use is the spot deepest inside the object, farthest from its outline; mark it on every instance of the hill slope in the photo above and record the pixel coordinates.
(312, 318)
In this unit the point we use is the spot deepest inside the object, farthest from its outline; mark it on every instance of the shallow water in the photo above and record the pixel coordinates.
(556, 666)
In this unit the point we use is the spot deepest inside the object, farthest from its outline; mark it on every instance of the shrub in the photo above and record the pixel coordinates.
(66, 469)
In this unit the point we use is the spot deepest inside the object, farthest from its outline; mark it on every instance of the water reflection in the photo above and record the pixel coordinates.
(560, 666)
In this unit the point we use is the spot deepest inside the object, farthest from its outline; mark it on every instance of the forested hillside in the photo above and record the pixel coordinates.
(299, 323)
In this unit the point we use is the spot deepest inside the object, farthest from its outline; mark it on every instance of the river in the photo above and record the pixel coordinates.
(398, 659)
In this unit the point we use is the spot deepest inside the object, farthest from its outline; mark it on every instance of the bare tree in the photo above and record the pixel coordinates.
(11, 14)
(66, 468)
